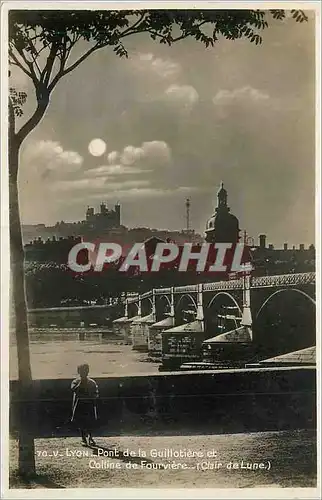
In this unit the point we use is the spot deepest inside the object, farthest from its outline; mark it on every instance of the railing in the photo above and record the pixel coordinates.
(256, 282)
(132, 300)
(284, 280)
(223, 285)
(163, 291)
(186, 289)
(69, 308)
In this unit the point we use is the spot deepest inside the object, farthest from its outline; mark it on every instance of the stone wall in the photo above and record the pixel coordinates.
(225, 401)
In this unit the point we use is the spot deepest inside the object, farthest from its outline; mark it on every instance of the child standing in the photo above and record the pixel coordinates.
(84, 406)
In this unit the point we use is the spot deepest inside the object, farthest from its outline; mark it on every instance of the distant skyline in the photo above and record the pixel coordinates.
(171, 123)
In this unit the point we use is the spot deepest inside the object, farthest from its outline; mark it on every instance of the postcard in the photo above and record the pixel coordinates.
(160, 251)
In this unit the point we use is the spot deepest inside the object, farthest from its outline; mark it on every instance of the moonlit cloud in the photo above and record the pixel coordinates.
(147, 152)
(49, 158)
(93, 185)
(185, 96)
(137, 192)
(43, 162)
(242, 94)
(113, 170)
(131, 154)
(163, 68)
(77, 184)
(157, 150)
(113, 157)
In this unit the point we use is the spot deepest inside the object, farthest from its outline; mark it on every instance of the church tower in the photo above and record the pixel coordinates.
(222, 199)
(222, 227)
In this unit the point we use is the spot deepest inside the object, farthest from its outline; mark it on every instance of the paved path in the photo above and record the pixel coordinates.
(210, 461)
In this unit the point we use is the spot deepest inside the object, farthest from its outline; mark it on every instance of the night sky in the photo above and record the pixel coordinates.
(176, 122)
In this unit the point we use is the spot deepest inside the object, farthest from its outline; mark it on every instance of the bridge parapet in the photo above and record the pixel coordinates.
(186, 289)
(223, 285)
(256, 282)
(132, 300)
(163, 291)
(283, 280)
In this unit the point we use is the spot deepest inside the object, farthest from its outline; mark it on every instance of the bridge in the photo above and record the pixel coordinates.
(275, 310)
(290, 281)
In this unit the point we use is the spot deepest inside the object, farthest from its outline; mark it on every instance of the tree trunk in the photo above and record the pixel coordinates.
(26, 440)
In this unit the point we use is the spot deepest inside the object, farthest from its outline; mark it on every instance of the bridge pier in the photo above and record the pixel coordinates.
(140, 328)
(156, 330)
(183, 343)
(122, 326)
(235, 347)
(247, 320)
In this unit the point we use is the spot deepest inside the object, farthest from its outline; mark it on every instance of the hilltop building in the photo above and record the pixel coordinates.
(105, 219)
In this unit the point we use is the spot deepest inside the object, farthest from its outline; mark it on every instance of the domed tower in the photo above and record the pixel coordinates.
(222, 227)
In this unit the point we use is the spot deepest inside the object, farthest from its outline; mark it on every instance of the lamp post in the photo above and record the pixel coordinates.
(246, 270)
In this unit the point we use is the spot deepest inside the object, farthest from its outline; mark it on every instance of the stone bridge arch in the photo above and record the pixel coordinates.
(146, 306)
(133, 309)
(281, 291)
(285, 322)
(218, 305)
(163, 306)
(227, 294)
(186, 297)
(185, 302)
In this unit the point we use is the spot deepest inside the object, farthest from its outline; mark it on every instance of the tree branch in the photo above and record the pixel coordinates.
(34, 58)
(33, 75)
(18, 63)
(129, 31)
(132, 28)
(135, 28)
(185, 35)
(60, 74)
(155, 34)
(49, 64)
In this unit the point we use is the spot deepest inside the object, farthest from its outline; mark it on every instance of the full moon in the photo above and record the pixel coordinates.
(97, 147)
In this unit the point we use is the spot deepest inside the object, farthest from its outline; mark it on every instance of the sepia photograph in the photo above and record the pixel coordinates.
(160, 226)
